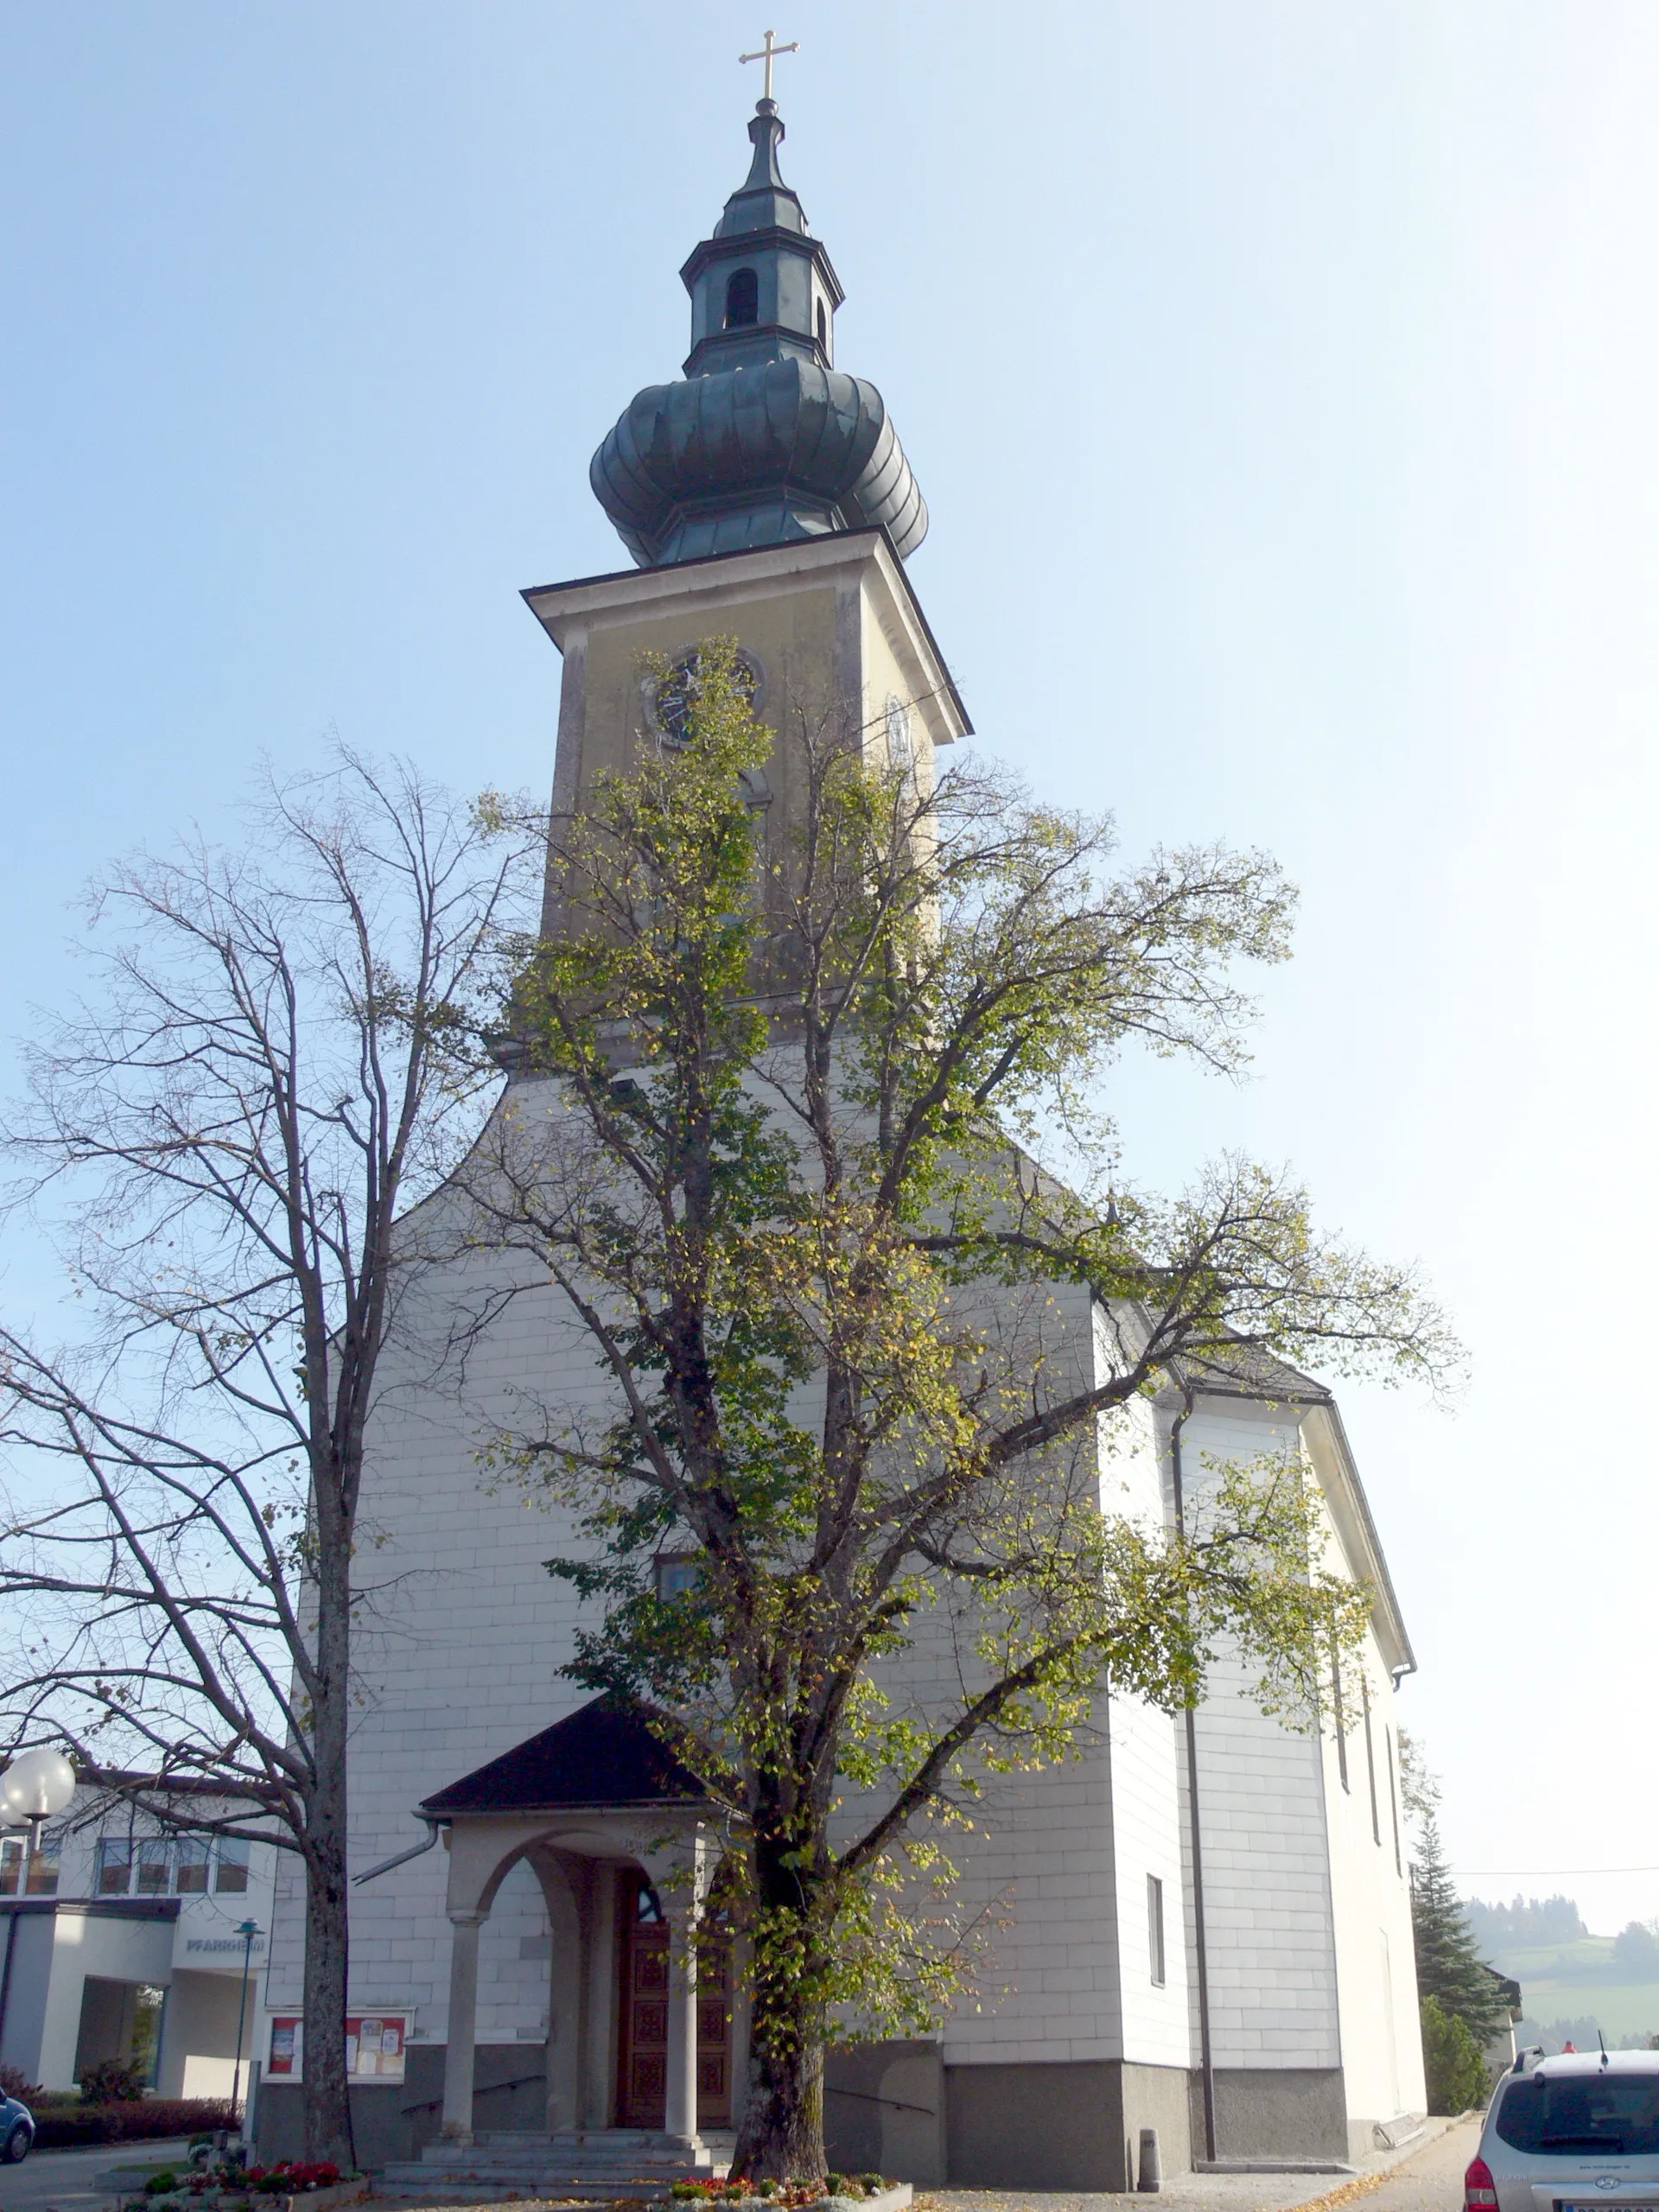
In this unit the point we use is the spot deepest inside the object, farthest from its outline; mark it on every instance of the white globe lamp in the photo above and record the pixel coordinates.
(35, 1786)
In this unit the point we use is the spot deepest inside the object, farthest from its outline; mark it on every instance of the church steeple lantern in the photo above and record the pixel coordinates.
(762, 287)
(765, 441)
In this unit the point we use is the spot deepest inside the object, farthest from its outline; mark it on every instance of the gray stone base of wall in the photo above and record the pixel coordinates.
(1270, 2112)
(895, 2109)
(1074, 2126)
(396, 2121)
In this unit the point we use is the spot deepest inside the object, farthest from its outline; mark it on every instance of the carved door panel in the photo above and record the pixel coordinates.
(713, 2034)
(642, 2057)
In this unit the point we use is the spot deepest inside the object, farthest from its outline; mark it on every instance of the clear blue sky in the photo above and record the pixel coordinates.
(1281, 380)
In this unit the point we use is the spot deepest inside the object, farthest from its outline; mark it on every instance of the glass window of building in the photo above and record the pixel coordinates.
(190, 1865)
(230, 1865)
(153, 1855)
(112, 1876)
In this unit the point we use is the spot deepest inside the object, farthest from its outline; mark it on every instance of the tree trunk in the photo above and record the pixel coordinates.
(781, 2138)
(782, 2135)
(327, 2107)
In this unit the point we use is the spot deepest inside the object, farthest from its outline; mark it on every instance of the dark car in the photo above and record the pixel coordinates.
(16, 2130)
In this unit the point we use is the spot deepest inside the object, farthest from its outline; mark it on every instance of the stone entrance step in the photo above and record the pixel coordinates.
(598, 2164)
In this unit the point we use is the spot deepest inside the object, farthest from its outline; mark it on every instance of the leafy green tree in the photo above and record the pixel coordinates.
(1449, 1968)
(782, 1169)
(1453, 2063)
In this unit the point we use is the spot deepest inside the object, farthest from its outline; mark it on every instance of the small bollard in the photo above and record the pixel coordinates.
(1150, 2177)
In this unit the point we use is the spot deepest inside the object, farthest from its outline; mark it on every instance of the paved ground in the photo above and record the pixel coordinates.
(67, 2180)
(1426, 2177)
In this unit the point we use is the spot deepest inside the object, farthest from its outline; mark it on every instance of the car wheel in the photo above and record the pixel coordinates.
(17, 2144)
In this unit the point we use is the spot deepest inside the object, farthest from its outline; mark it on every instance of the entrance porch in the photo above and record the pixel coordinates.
(647, 2019)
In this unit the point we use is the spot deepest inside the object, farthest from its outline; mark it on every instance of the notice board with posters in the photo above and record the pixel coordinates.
(375, 2042)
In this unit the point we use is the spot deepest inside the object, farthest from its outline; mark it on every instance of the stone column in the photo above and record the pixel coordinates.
(458, 2051)
(680, 2113)
(742, 2008)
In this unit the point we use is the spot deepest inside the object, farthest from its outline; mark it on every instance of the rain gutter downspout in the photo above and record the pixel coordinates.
(1206, 2056)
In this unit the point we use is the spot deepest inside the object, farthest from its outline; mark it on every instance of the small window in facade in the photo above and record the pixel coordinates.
(824, 328)
(901, 754)
(229, 1865)
(1155, 1928)
(11, 1866)
(742, 300)
(648, 1905)
(112, 1877)
(675, 1576)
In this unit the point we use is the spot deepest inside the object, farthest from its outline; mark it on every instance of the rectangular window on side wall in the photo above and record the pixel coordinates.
(11, 1866)
(1371, 1763)
(1155, 1928)
(1394, 1805)
(1340, 1715)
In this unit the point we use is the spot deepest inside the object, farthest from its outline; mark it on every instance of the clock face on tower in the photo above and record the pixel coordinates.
(671, 702)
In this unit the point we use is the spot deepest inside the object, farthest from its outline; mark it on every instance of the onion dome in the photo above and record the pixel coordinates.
(763, 439)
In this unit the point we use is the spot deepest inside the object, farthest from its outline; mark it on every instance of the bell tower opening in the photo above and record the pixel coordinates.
(742, 300)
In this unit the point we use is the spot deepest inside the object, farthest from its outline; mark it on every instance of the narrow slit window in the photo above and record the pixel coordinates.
(1155, 1928)
(824, 329)
(1370, 1765)
(1394, 1804)
(742, 300)
(1339, 1716)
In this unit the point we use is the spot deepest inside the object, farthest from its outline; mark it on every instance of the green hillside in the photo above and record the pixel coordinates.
(1579, 1981)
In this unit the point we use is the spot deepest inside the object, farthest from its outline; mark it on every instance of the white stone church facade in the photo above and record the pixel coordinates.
(1208, 1923)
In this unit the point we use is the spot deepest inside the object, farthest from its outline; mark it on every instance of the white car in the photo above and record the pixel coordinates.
(1569, 2134)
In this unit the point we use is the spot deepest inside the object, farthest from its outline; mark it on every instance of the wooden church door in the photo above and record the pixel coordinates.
(642, 2066)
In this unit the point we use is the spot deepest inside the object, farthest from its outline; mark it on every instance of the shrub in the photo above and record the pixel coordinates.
(1454, 2066)
(14, 2082)
(110, 2082)
(161, 2184)
(147, 2121)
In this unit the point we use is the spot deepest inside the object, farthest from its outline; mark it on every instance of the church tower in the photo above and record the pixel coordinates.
(764, 494)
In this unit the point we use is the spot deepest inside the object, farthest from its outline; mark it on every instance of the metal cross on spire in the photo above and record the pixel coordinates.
(766, 53)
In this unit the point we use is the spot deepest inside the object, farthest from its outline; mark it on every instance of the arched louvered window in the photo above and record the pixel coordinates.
(742, 299)
(824, 328)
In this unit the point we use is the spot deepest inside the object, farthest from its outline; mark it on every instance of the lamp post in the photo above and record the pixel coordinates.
(247, 1931)
(36, 1785)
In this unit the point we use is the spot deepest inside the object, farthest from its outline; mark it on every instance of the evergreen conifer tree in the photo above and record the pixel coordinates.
(1449, 1968)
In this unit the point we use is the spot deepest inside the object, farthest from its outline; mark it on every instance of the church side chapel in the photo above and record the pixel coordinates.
(1203, 1920)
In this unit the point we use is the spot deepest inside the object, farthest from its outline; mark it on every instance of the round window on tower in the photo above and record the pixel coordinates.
(673, 695)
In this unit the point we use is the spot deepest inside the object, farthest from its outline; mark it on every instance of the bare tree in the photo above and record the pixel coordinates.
(286, 1047)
